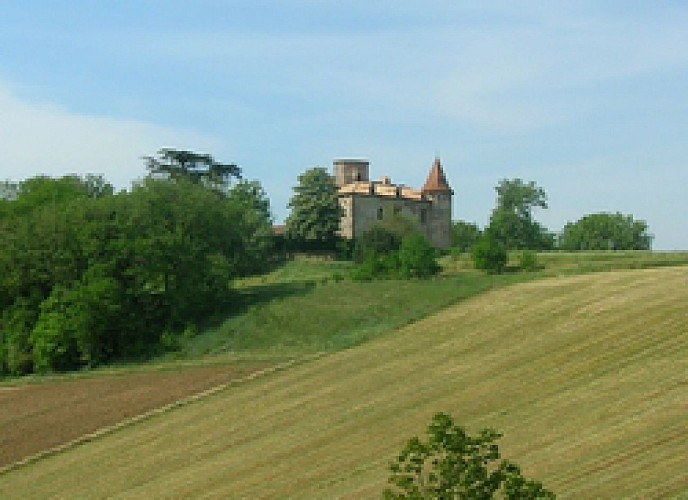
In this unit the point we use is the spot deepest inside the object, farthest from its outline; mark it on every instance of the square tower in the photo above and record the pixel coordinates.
(348, 171)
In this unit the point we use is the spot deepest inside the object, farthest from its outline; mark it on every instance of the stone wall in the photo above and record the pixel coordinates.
(361, 212)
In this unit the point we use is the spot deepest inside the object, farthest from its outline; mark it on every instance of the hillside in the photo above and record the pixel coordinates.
(585, 376)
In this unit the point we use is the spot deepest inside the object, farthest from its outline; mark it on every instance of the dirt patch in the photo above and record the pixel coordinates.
(36, 417)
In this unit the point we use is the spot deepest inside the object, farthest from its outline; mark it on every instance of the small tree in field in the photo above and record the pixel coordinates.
(489, 254)
(451, 464)
(417, 258)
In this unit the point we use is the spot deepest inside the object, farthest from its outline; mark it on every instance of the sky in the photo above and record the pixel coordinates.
(589, 99)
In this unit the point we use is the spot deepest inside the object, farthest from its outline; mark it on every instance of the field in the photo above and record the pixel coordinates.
(586, 376)
(39, 416)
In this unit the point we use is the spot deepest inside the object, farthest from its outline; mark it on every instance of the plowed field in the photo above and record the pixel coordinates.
(36, 417)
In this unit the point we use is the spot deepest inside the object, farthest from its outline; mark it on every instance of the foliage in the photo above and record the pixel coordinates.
(527, 261)
(88, 276)
(417, 258)
(315, 211)
(453, 464)
(255, 231)
(384, 237)
(394, 249)
(489, 254)
(376, 241)
(199, 168)
(464, 235)
(512, 221)
(605, 231)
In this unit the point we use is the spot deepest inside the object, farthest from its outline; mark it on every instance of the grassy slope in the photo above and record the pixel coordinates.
(301, 309)
(586, 377)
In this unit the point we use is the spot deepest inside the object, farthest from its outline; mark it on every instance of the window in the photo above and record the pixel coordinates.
(380, 213)
(423, 215)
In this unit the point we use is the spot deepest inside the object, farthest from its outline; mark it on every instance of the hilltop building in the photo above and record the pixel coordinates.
(365, 202)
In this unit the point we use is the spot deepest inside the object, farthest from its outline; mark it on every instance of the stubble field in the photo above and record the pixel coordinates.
(586, 376)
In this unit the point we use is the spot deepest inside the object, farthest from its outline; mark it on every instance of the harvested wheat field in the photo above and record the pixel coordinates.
(36, 417)
(586, 376)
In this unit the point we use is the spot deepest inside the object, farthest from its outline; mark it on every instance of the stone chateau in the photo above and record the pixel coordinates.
(365, 202)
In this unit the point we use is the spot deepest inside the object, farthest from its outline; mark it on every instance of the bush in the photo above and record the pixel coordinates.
(417, 258)
(488, 254)
(382, 254)
(527, 261)
(376, 241)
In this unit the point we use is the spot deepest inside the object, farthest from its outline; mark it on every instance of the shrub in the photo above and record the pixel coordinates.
(527, 261)
(414, 257)
(378, 240)
(488, 254)
(417, 258)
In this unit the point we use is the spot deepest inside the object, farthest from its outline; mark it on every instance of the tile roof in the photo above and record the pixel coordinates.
(437, 181)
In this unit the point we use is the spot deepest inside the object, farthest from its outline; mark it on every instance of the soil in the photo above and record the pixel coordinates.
(40, 416)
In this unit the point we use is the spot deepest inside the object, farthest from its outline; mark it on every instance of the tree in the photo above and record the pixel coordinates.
(452, 464)
(417, 258)
(199, 168)
(605, 231)
(88, 276)
(315, 211)
(464, 235)
(512, 221)
(489, 254)
(257, 242)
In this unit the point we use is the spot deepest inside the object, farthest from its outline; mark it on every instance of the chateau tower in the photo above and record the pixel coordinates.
(348, 171)
(436, 189)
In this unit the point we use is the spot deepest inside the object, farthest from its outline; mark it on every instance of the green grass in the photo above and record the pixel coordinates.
(557, 263)
(310, 305)
(304, 317)
(584, 375)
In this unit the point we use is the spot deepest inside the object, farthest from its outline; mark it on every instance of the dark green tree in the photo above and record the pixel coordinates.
(196, 167)
(255, 231)
(606, 231)
(315, 211)
(88, 276)
(512, 222)
(464, 235)
(451, 464)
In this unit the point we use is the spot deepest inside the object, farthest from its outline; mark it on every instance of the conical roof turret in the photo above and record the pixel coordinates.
(437, 181)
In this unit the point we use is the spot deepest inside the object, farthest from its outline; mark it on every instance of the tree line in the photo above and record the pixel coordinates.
(315, 214)
(512, 226)
(90, 276)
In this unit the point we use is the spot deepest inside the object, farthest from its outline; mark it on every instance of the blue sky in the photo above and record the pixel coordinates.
(588, 99)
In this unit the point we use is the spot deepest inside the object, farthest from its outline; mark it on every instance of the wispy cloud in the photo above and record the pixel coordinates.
(503, 77)
(39, 138)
